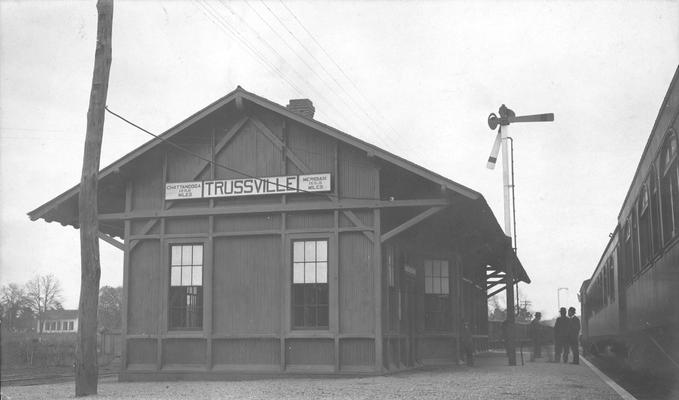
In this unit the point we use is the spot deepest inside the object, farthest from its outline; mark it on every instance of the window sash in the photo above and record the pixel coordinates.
(309, 284)
(436, 277)
(185, 306)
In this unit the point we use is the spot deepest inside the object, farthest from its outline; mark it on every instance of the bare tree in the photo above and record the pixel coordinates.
(13, 300)
(43, 293)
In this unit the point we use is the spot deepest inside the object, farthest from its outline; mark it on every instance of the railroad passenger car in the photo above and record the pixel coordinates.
(258, 239)
(630, 305)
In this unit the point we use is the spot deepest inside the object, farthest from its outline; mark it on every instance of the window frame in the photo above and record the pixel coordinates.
(655, 212)
(330, 280)
(645, 228)
(205, 282)
(442, 315)
(669, 199)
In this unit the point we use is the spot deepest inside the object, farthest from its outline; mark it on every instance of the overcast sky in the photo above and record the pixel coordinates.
(415, 78)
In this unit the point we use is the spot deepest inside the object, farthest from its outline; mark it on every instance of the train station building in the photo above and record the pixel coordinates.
(257, 239)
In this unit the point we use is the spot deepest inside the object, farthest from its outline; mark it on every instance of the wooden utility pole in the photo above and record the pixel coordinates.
(86, 369)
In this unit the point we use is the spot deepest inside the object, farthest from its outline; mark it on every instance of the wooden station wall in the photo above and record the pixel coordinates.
(406, 340)
(247, 268)
(247, 271)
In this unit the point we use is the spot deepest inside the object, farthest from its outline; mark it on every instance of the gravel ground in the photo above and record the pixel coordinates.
(490, 379)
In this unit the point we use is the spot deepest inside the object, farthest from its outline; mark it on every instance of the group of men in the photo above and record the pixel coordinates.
(566, 334)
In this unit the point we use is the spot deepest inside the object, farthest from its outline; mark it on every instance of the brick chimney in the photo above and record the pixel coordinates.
(303, 107)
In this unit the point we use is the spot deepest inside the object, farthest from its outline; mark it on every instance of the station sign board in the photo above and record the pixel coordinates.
(248, 187)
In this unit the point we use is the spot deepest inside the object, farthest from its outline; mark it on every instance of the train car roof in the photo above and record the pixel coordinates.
(672, 90)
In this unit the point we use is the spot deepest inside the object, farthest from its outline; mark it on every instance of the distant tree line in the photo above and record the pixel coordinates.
(22, 305)
(498, 311)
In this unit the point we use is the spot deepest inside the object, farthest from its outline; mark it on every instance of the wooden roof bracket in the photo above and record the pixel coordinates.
(110, 240)
(411, 222)
(489, 295)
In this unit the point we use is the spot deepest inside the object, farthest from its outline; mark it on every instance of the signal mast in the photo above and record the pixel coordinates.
(507, 116)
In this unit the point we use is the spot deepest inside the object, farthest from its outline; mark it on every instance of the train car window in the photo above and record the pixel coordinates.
(635, 244)
(611, 273)
(669, 193)
(655, 212)
(644, 199)
(626, 267)
(606, 279)
(644, 226)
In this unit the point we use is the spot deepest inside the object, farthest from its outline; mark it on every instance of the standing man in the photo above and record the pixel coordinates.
(535, 336)
(561, 329)
(467, 344)
(504, 329)
(573, 334)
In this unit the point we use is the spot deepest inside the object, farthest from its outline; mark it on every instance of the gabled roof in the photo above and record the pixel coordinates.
(239, 96)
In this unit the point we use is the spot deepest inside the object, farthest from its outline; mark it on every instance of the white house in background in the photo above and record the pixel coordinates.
(58, 321)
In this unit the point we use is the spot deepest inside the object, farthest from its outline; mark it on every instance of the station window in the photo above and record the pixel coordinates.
(186, 286)
(70, 325)
(436, 292)
(310, 284)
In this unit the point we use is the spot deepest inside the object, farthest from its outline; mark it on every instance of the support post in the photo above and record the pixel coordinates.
(511, 348)
(86, 369)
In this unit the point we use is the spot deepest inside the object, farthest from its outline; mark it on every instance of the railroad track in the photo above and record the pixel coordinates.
(45, 379)
(642, 387)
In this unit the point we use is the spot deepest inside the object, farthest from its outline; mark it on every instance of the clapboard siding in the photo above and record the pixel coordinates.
(234, 352)
(246, 223)
(356, 277)
(142, 352)
(358, 176)
(144, 288)
(251, 153)
(309, 352)
(147, 184)
(246, 281)
(316, 151)
(357, 352)
(186, 225)
(139, 227)
(310, 220)
(184, 352)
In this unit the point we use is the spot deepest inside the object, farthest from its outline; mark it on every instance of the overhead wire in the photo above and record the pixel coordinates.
(278, 54)
(209, 13)
(221, 22)
(346, 76)
(348, 95)
(358, 90)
